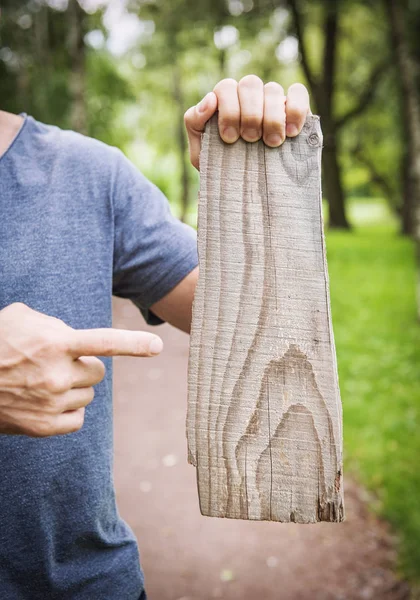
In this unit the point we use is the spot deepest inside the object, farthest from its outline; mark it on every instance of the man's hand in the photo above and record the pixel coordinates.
(48, 370)
(251, 110)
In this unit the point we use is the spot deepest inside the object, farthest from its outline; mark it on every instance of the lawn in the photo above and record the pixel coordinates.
(377, 336)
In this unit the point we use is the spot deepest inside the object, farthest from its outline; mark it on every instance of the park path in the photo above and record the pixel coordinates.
(189, 557)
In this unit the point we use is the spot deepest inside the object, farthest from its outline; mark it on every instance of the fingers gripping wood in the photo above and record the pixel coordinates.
(264, 421)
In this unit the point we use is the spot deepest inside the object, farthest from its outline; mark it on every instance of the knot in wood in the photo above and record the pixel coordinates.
(313, 139)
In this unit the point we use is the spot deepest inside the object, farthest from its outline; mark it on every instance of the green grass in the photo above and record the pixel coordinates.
(377, 336)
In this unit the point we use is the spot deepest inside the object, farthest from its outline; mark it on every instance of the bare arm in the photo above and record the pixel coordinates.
(176, 307)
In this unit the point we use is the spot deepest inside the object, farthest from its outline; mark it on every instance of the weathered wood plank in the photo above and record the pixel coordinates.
(264, 421)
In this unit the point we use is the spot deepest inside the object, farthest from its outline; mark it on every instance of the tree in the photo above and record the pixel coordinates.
(48, 70)
(181, 26)
(411, 114)
(77, 51)
(323, 89)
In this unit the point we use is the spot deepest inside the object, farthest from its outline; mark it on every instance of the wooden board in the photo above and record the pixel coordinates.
(264, 422)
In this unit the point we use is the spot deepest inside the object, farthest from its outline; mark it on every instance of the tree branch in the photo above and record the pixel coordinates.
(367, 96)
(376, 177)
(298, 27)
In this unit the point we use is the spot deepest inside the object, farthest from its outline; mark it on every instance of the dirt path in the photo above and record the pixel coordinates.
(190, 557)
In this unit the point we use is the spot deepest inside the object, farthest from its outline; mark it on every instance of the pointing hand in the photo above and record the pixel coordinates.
(48, 370)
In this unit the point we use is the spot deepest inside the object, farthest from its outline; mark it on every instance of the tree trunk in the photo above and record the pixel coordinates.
(41, 97)
(182, 143)
(78, 117)
(222, 63)
(406, 213)
(325, 99)
(322, 88)
(407, 73)
(332, 186)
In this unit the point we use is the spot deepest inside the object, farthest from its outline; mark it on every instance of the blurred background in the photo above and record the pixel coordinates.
(125, 71)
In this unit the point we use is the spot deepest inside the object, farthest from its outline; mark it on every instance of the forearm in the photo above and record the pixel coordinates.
(176, 307)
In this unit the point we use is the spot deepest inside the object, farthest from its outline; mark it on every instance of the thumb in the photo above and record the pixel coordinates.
(195, 120)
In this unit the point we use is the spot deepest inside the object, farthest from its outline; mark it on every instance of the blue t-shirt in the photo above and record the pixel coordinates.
(78, 223)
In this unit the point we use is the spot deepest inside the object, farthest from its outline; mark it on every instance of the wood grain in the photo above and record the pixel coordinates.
(264, 422)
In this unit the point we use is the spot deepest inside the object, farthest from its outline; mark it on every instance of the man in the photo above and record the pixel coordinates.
(79, 223)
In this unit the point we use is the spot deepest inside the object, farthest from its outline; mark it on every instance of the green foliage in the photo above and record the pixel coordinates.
(182, 46)
(35, 70)
(378, 348)
(108, 94)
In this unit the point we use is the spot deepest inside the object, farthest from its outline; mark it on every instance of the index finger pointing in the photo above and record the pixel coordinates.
(114, 342)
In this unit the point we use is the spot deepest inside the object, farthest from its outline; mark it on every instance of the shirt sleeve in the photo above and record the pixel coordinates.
(153, 251)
